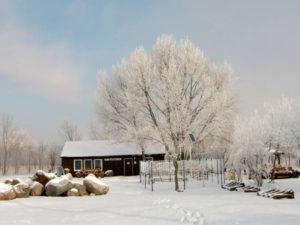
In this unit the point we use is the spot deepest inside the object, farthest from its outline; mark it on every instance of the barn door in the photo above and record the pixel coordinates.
(128, 166)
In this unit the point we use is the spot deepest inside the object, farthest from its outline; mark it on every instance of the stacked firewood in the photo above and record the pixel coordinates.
(270, 193)
(277, 194)
(86, 172)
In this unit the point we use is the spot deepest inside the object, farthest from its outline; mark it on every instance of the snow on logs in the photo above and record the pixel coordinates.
(49, 185)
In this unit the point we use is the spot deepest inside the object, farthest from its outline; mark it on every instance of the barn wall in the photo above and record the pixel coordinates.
(68, 163)
(115, 163)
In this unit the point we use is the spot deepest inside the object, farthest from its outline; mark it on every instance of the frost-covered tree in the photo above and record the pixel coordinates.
(17, 153)
(13, 144)
(276, 126)
(70, 131)
(41, 153)
(283, 125)
(166, 94)
(9, 140)
(53, 155)
(96, 132)
(250, 146)
(119, 117)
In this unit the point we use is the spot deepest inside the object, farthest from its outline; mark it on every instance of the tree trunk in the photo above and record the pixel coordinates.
(52, 167)
(239, 174)
(143, 154)
(5, 162)
(175, 163)
(259, 180)
(29, 163)
(16, 169)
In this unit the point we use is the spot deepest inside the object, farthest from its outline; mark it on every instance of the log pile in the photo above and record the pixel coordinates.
(86, 172)
(277, 194)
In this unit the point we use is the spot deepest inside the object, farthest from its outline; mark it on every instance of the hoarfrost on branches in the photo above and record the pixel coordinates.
(164, 95)
(276, 127)
(70, 131)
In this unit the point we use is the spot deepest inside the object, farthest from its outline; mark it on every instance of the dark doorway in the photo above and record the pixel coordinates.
(128, 166)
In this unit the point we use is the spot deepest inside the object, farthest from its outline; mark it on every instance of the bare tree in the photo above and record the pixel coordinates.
(21, 144)
(18, 150)
(53, 155)
(29, 157)
(41, 151)
(8, 136)
(166, 94)
(70, 131)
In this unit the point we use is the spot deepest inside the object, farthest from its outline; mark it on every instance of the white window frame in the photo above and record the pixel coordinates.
(91, 163)
(74, 161)
(101, 163)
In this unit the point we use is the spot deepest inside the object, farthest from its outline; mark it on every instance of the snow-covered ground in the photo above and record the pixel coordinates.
(129, 203)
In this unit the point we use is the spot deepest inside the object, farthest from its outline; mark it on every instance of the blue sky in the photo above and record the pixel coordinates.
(51, 51)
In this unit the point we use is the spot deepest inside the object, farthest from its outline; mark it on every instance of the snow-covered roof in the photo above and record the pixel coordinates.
(106, 148)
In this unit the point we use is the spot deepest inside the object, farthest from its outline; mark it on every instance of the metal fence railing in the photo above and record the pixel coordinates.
(200, 170)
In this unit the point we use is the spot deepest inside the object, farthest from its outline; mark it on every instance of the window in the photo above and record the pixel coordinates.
(88, 164)
(98, 163)
(77, 164)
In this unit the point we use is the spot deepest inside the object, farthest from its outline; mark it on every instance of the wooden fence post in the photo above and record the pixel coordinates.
(170, 175)
(183, 175)
(151, 176)
(218, 170)
(149, 171)
(223, 164)
(140, 171)
(212, 170)
(221, 168)
(145, 175)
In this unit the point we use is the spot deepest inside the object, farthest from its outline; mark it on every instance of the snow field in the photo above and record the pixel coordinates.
(129, 203)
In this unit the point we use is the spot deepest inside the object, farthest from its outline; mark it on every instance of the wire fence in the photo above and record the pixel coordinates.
(203, 170)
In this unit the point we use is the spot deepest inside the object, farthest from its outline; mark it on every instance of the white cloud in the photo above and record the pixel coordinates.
(46, 69)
